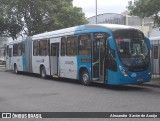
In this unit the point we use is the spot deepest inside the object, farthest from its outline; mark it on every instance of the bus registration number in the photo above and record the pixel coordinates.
(140, 80)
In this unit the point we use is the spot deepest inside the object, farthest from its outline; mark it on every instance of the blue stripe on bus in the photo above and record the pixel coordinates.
(85, 65)
(24, 62)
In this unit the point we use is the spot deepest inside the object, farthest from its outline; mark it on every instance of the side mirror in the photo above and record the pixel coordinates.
(111, 43)
(148, 43)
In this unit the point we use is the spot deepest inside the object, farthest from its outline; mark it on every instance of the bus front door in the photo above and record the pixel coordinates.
(54, 58)
(98, 60)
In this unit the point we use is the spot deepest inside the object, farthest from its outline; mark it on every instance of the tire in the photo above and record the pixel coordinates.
(15, 69)
(85, 78)
(43, 72)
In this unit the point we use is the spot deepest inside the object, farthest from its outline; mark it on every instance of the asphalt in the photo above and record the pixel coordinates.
(155, 82)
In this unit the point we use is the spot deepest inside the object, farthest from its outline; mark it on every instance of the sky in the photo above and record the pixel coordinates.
(103, 6)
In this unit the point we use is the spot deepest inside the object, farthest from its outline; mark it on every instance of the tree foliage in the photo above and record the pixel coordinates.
(145, 8)
(37, 16)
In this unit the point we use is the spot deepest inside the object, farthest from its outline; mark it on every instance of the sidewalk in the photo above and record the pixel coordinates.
(153, 83)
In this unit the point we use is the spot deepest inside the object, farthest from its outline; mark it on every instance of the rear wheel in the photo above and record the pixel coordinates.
(85, 78)
(43, 72)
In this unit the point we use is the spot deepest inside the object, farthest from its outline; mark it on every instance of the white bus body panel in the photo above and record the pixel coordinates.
(37, 61)
(68, 67)
(18, 61)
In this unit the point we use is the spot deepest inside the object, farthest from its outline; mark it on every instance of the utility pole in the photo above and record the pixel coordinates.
(96, 11)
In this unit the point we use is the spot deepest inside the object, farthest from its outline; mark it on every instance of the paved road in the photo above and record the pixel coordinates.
(25, 93)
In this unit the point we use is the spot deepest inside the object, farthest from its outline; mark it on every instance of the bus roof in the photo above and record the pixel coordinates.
(81, 28)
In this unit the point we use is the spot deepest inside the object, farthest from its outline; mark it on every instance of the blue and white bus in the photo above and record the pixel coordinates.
(102, 53)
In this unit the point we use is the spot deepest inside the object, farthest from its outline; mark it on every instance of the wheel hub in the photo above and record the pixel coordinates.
(85, 77)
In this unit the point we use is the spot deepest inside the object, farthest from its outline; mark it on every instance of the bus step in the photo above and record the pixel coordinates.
(95, 79)
(101, 82)
(55, 76)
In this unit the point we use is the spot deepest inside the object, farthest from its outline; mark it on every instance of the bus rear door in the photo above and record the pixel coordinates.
(54, 58)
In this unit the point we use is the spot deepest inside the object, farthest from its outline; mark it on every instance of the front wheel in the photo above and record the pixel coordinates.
(43, 72)
(85, 78)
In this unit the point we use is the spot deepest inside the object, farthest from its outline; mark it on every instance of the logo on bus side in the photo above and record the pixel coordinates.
(69, 62)
(40, 61)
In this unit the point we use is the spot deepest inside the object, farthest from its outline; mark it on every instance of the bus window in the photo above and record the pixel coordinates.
(53, 50)
(35, 48)
(71, 46)
(15, 50)
(43, 47)
(84, 45)
(63, 46)
(132, 50)
(19, 49)
(10, 52)
(112, 60)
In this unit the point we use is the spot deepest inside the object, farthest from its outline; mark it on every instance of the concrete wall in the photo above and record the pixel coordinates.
(111, 18)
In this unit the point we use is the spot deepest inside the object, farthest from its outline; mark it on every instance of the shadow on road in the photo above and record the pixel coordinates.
(142, 87)
(121, 87)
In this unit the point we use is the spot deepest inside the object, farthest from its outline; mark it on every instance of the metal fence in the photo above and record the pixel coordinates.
(155, 59)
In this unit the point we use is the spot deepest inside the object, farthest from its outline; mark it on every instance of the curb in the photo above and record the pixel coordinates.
(153, 83)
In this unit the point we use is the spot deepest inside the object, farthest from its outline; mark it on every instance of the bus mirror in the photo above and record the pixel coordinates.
(148, 43)
(111, 43)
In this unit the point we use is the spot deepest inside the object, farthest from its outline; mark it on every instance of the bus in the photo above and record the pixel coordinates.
(103, 53)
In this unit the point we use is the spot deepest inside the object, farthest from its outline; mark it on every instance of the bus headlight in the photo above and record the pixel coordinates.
(123, 71)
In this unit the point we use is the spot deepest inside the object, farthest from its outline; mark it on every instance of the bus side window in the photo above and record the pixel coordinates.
(35, 48)
(10, 52)
(63, 46)
(15, 50)
(43, 47)
(84, 45)
(19, 49)
(71, 49)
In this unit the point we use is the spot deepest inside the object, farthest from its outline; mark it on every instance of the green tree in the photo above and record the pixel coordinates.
(37, 16)
(145, 8)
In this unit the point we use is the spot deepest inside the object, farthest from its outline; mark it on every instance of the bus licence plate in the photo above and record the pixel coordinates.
(140, 80)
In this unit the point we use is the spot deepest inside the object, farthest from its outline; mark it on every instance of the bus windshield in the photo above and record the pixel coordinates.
(132, 50)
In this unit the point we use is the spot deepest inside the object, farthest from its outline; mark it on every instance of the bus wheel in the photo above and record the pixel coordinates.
(15, 69)
(85, 78)
(43, 72)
